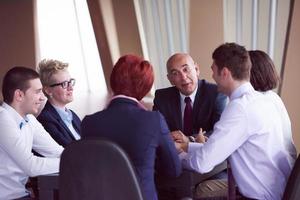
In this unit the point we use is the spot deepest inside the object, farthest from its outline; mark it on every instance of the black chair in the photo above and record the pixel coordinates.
(96, 169)
(292, 189)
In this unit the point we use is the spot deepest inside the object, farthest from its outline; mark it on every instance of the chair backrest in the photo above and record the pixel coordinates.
(96, 169)
(292, 189)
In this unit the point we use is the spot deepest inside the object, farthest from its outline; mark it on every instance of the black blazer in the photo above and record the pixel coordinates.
(55, 126)
(207, 108)
(142, 134)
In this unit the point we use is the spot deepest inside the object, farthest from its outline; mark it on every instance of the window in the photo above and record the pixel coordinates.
(65, 33)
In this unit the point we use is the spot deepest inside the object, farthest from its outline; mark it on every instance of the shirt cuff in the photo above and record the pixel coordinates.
(193, 146)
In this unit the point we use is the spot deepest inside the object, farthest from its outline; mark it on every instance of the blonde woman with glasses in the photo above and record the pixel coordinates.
(61, 123)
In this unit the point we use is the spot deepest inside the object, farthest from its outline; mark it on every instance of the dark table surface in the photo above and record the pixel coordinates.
(185, 183)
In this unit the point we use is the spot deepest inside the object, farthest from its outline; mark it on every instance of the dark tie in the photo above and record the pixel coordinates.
(23, 123)
(188, 117)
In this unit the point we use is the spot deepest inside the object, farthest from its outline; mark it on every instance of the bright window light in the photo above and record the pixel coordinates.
(66, 33)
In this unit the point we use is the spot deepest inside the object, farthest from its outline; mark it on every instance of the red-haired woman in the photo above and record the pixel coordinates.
(142, 134)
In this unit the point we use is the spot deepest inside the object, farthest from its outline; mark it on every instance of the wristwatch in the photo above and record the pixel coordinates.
(192, 139)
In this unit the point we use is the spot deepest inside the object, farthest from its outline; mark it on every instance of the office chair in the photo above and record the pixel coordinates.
(96, 169)
(292, 189)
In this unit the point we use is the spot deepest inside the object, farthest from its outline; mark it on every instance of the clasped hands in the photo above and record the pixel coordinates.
(181, 141)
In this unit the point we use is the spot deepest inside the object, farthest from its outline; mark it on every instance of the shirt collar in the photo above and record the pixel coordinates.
(20, 121)
(192, 96)
(127, 97)
(241, 90)
(64, 113)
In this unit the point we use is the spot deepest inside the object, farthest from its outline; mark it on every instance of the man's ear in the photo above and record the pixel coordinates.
(170, 79)
(197, 68)
(18, 95)
(225, 72)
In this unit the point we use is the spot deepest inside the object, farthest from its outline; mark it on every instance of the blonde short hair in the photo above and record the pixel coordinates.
(48, 67)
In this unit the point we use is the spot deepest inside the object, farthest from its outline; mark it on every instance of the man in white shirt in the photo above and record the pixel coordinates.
(249, 132)
(21, 133)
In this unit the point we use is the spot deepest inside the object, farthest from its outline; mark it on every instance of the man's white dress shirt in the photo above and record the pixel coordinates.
(286, 122)
(18, 136)
(251, 133)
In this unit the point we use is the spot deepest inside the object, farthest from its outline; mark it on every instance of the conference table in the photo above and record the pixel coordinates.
(49, 189)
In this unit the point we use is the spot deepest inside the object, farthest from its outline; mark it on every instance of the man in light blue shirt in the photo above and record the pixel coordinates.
(249, 132)
(21, 133)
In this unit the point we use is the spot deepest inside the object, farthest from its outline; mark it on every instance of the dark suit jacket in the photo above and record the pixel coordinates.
(207, 108)
(141, 134)
(55, 126)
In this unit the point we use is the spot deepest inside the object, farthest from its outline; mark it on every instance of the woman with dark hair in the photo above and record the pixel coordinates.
(263, 73)
(142, 134)
(264, 78)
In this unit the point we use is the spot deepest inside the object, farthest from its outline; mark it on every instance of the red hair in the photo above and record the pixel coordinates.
(132, 76)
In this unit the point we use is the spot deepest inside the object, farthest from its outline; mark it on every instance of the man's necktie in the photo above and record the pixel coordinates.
(188, 117)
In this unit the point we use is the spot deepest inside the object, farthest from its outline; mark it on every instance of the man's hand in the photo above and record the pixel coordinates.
(178, 147)
(183, 146)
(180, 140)
(179, 137)
(201, 138)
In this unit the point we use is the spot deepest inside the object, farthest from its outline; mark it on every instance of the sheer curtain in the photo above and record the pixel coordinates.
(258, 25)
(253, 23)
(65, 33)
(165, 25)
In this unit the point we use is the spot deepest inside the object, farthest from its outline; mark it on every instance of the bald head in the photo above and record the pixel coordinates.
(175, 59)
(183, 73)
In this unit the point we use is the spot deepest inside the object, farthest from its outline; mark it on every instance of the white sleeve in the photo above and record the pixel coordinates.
(228, 135)
(43, 143)
(19, 149)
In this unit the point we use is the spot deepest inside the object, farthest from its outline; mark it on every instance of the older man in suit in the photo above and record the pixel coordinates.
(207, 104)
(190, 105)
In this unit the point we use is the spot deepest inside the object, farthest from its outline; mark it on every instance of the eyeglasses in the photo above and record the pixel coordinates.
(185, 70)
(65, 84)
